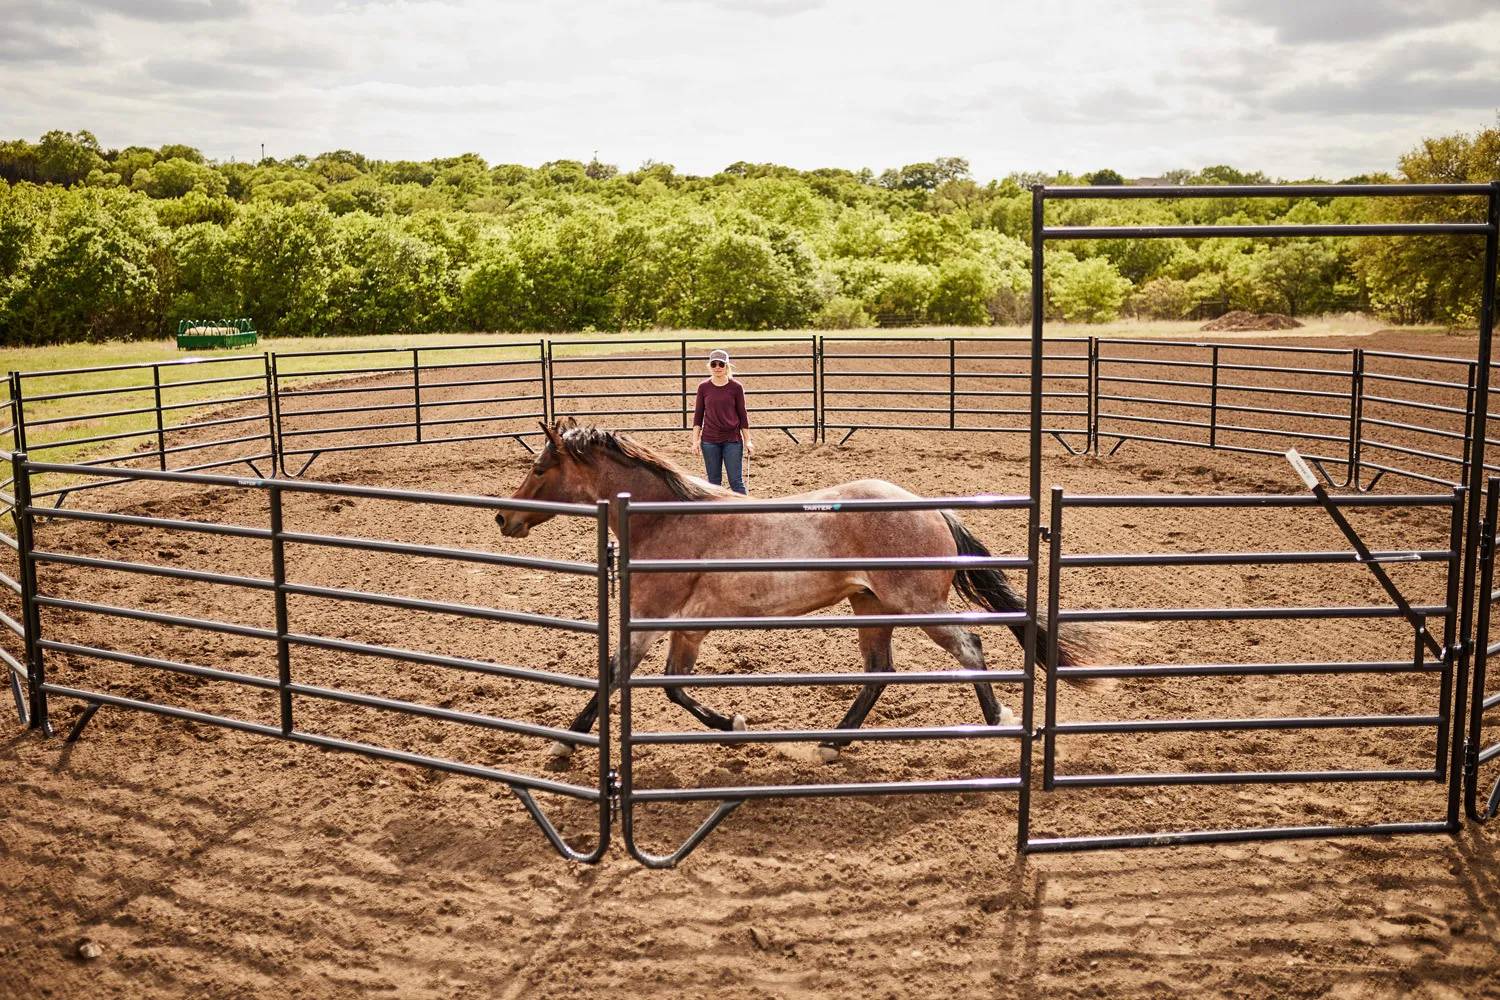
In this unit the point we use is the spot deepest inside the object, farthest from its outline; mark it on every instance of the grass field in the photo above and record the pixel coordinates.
(239, 373)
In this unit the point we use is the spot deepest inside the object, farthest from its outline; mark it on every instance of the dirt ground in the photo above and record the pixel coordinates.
(209, 863)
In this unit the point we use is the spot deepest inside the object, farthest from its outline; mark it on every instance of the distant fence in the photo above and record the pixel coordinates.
(1359, 415)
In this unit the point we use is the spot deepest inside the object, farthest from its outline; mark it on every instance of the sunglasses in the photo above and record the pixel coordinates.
(716, 364)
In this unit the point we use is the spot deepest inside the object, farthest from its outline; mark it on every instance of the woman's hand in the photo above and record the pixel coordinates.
(749, 447)
(697, 447)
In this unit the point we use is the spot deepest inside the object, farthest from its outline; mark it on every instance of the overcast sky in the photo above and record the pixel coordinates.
(1292, 87)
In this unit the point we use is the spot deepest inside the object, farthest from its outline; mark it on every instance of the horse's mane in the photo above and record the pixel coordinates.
(587, 444)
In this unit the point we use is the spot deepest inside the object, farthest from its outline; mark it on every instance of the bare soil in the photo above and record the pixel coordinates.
(210, 863)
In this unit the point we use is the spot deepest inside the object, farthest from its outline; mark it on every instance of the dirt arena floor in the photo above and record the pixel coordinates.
(210, 863)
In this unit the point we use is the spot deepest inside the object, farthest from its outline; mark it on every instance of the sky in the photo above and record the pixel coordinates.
(1296, 88)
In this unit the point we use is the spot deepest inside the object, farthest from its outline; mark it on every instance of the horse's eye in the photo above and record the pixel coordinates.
(538, 470)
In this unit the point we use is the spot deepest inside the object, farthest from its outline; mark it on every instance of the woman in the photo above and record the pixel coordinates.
(721, 428)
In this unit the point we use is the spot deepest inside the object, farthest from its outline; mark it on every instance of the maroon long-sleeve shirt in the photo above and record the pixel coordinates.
(721, 411)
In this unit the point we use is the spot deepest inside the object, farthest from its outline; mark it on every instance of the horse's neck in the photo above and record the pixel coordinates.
(644, 486)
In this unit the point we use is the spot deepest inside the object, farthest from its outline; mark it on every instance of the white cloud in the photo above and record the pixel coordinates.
(1281, 86)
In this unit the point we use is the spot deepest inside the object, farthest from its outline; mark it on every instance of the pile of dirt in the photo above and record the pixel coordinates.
(1240, 320)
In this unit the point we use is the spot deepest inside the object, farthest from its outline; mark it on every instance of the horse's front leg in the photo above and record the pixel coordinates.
(640, 645)
(682, 654)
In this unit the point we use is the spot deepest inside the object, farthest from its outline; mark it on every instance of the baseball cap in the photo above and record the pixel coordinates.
(719, 355)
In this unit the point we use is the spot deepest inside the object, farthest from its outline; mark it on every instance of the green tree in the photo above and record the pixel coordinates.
(1297, 271)
(1085, 291)
(67, 157)
(1433, 278)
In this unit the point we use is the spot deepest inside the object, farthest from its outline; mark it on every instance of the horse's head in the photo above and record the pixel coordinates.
(555, 475)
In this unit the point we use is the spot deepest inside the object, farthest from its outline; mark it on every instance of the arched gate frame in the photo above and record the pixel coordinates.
(1471, 536)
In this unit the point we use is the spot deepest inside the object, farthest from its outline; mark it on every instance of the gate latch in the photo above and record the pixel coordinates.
(609, 565)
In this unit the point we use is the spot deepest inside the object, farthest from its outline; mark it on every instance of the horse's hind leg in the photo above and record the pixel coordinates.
(682, 653)
(966, 647)
(875, 648)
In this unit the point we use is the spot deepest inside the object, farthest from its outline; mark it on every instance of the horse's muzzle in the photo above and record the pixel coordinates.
(515, 527)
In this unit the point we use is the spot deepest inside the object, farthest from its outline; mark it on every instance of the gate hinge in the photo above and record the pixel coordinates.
(1471, 759)
(1486, 542)
(614, 793)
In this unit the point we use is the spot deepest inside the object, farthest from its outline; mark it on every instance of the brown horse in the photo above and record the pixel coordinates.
(584, 464)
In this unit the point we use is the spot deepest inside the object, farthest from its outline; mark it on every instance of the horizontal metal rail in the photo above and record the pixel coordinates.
(1238, 778)
(828, 621)
(724, 793)
(1174, 192)
(870, 734)
(1045, 845)
(515, 779)
(921, 677)
(1245, 725)
(1266, 231)
(827, 564)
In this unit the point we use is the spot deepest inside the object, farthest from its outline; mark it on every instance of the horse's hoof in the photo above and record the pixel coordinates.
(829, 754)
(560, 750)
(739, 724)
(1007, 717)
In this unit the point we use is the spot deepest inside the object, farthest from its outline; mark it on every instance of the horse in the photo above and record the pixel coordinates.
(581, 464)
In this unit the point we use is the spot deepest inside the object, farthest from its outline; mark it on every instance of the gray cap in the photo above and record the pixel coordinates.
(719, 355)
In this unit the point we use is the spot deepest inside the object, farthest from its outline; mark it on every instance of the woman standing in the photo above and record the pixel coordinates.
(721, 428)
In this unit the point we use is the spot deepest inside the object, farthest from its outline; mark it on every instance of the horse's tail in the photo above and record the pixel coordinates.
(989, 589)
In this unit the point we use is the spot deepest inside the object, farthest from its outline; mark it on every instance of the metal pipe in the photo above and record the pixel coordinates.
(278, 579)
(1475, 481)
(1054, 599)
(1173, 192)
(31, 617)
(1478, 702)
(1033, 516)
(1267, 231)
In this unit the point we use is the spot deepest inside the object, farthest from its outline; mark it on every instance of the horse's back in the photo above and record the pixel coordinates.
(859, 489)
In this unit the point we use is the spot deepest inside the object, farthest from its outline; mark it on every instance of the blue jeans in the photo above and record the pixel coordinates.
(730, 455)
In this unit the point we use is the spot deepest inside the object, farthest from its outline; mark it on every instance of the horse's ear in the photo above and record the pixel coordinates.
(553, 437)
(565, 423)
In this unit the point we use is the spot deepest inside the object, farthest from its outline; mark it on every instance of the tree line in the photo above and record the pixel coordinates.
(101, 244)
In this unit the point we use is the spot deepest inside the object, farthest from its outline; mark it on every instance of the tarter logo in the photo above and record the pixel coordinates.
(811, 507)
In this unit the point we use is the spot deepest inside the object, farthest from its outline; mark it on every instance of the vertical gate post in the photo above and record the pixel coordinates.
(1476, 480)
(606, 673)
(161, 431)
(1033, 522)
(1475, 735)
(1091, 390)
(549, 391)
(682, 346)
(279, 446)
(271, 438)
(1054, 600)
(622, 671)
(36, 669)
(17, 423)
(283, 646)
(820, 394)
(952, 382)
(416, 391)
(1468, 449)
(1213, 401)
(1357, 415)
(1455, 656)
